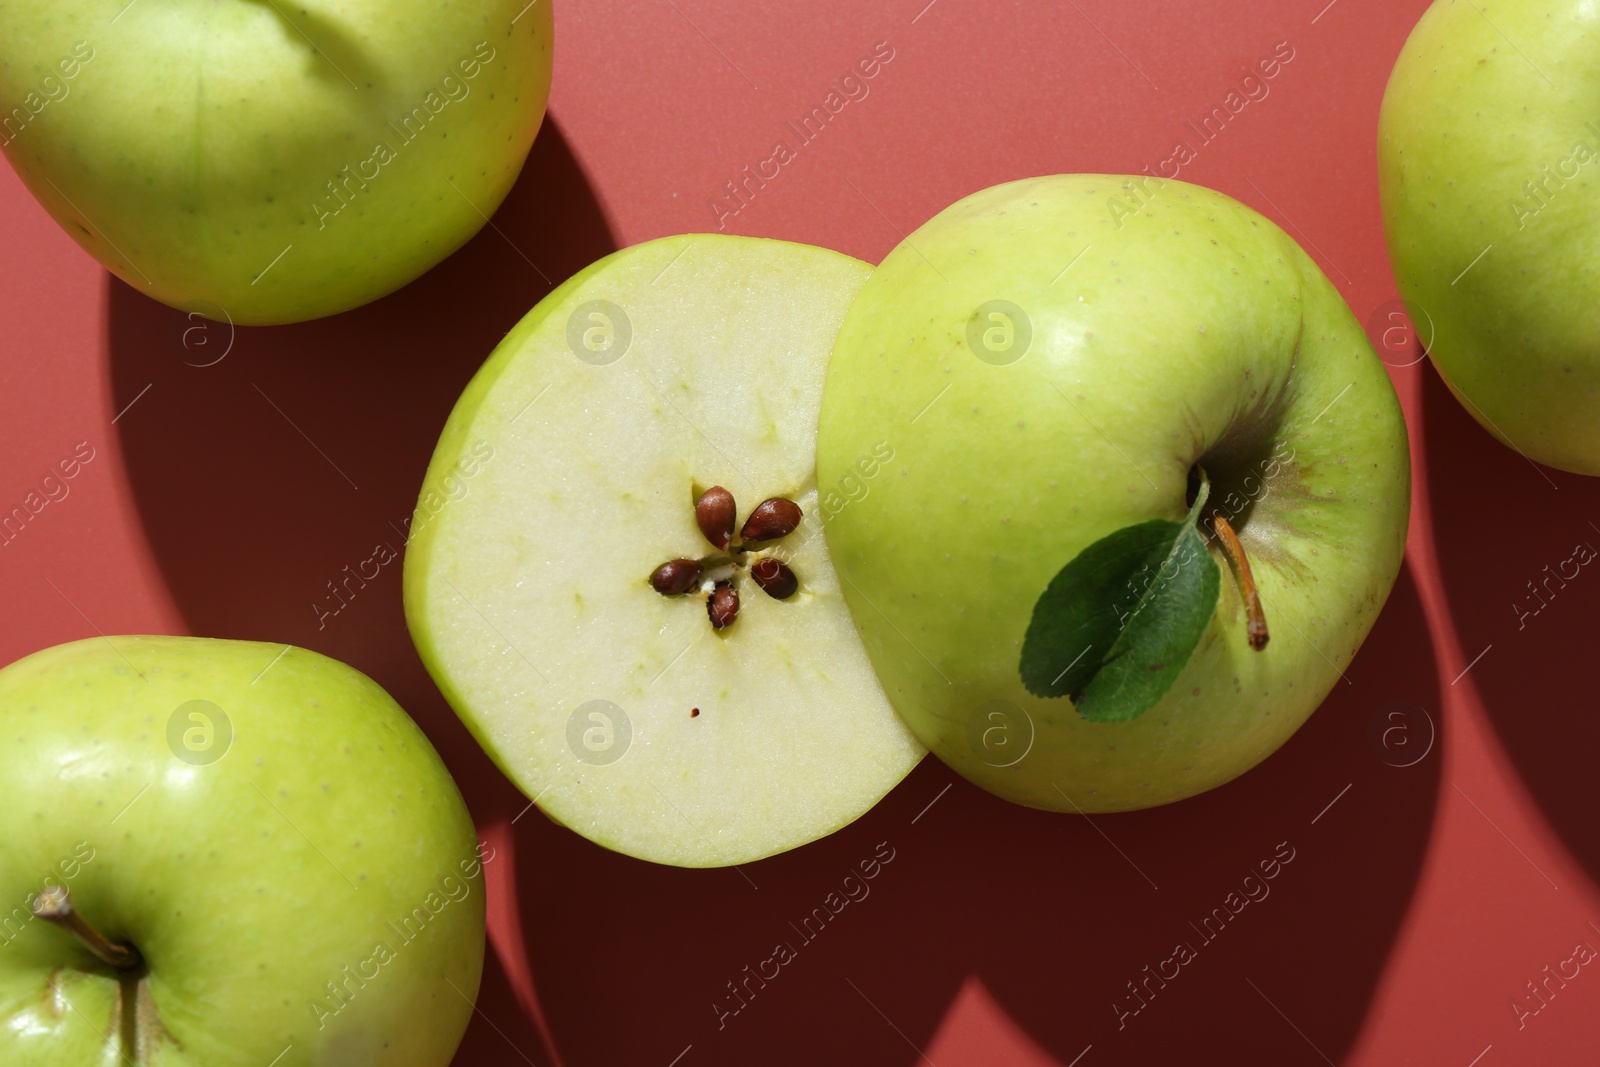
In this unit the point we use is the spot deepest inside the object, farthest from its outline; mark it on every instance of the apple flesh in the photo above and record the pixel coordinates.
(269, 162)
(1487, 151)
(1053, 360)
(265, 827)
(569, 473)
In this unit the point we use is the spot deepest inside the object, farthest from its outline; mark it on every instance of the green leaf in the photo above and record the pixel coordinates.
(1117, 625)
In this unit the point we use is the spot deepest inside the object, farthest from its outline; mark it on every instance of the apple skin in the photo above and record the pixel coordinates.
(230, 876)
(1190, 329)
(195, 141)
(1467, 123)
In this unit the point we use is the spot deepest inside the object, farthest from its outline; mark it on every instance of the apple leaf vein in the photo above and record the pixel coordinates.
(1116, 626)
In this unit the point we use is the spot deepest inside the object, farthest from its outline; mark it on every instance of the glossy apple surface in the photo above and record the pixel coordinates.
(1051, 361)
(265, 826)
(271, 162)
(1488, 152)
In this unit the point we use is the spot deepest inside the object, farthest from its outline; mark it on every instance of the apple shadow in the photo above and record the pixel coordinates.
(1053, 914)
(273, 468)
(1524, 603)
(269, 465)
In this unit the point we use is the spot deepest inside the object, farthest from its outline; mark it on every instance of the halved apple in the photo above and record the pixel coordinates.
(671, 671)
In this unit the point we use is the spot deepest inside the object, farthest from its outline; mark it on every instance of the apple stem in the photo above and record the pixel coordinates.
(54, 905)
(1255, 619)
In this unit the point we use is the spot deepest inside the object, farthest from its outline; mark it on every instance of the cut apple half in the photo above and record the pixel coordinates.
(660, 408)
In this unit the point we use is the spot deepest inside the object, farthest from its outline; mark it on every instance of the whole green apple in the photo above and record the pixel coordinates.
(271, 162)
(1090, 384)
(1488, 148)
(265, 860)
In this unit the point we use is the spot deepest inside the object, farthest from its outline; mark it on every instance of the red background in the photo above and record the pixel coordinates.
(1416, 907)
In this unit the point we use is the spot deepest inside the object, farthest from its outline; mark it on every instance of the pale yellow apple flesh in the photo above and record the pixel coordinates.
(567, 473)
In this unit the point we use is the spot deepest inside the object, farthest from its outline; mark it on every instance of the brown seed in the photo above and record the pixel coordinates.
(772, 518)
(676, 576)
(715, 512)
(723, 606)
(774, 577)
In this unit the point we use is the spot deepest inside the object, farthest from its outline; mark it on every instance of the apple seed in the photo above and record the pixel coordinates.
(773, 518)
(774, 577)
(715, 513)
(723, 606)
(676, 576)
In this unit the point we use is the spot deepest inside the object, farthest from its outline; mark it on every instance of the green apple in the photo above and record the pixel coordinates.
(271, 162)
(1488, 151)
(616, 574)
(1055, 362)
(267, 861)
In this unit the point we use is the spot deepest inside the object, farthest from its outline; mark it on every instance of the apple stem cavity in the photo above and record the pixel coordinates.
(54, 905)
(1255, 618)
